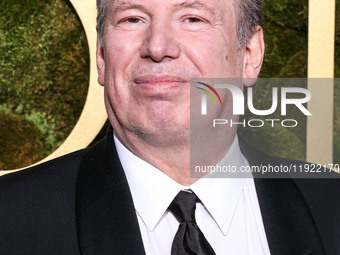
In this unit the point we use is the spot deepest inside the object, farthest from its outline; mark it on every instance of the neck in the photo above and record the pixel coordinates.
(176, 159)
(172, 160)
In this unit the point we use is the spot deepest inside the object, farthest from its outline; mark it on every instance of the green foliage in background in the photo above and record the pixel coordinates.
(20, 137)
(286, 36)
(44, 72)
(336, 136)
(286, 31)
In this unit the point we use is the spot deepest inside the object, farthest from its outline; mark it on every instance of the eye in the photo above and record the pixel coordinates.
(192, 20)
(132, 20)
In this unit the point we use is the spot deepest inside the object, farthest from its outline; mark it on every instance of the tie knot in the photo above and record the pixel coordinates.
(183, 206)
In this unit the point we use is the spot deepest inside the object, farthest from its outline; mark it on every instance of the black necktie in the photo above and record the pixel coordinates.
(189, 239)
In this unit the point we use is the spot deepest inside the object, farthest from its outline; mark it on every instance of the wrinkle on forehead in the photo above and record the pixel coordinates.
(197, 5)
(122, 5)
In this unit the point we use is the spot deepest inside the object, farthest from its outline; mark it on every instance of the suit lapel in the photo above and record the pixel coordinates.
(288, 223)
(106, 217)
(107, 223)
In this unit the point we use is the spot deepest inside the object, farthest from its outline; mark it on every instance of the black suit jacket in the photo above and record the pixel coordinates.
(81, 204)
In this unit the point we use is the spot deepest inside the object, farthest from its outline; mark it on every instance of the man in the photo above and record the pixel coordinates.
(126, 194)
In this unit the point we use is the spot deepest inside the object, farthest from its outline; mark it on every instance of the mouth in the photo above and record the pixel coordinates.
(159, 82)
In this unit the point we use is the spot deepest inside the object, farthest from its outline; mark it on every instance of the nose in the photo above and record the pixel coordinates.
(160, 42)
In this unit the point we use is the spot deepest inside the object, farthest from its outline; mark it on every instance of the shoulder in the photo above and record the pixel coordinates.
(316, 191)
(43, 188)
(54, 174)
(313, 180)
(52, 182)
(37, 208)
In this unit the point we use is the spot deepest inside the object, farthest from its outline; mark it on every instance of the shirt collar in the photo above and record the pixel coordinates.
(153, 191)
(220, 195)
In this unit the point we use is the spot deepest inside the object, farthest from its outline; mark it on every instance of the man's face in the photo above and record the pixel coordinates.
(151, 49)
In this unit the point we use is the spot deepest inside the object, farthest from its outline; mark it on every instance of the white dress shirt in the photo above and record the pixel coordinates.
(229, 214)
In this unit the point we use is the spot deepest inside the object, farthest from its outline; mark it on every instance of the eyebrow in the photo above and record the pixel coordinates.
(196, 5)
(122, 6)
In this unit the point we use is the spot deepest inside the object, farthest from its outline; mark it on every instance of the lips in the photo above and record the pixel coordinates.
(158, 79)
(154, 85)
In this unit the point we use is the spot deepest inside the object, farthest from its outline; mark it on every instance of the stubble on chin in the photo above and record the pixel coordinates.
(162, 133)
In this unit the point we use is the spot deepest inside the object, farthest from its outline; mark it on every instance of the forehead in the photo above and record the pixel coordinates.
(215, 7)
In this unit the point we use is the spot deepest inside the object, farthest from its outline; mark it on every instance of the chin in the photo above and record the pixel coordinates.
(163, 132)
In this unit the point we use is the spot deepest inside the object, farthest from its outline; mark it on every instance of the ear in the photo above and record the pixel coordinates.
(100, 61)
(253, 57)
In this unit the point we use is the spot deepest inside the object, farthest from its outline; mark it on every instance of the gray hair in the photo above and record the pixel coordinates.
(101, 18)
(249, 15)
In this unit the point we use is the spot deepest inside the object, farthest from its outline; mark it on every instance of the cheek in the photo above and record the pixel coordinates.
(120, 50)
(119, 54)
(210, 53)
